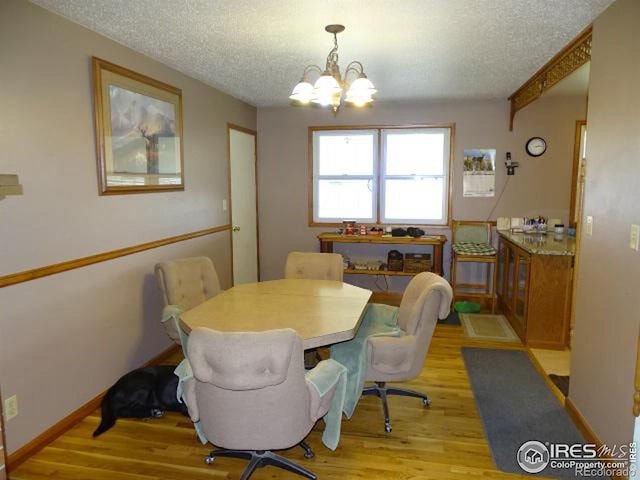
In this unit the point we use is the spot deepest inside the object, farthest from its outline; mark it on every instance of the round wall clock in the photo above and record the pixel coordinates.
(536, 146)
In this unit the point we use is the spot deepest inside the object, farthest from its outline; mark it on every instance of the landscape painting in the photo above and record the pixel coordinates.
(139, 130)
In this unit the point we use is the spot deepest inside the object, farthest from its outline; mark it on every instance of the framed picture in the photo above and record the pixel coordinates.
(138, 131)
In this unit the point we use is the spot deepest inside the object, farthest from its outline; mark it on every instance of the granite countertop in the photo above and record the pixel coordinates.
(540, 244)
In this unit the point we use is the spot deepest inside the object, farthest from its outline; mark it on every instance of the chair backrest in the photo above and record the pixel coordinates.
(250, 388)
(471, 232)
(426, 299)
(314, 266)
(187, 282)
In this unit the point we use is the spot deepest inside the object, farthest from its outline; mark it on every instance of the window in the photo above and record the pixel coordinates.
(382, 175)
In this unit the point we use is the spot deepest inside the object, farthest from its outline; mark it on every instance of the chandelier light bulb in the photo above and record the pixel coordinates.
(302, 92)
(360, 92)
(326, 84)
(327, 89)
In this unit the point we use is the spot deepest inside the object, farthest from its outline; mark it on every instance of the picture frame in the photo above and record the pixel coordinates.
(138, 125)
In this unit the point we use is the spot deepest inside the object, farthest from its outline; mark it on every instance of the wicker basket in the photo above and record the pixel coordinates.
(395, 261)
(417, 262)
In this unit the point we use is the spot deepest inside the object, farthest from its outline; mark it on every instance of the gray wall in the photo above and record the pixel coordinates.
(67, 337)
(607, 319)
(541, 185)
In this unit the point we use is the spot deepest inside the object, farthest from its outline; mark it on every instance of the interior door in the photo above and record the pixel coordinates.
(244, 206)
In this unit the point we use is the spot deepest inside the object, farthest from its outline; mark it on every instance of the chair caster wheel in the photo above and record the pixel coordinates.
(209, 460)
(426, 402)
(309, 454)
(387, 427)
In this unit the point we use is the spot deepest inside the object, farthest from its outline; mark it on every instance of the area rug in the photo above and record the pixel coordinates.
(562, 382)
(488, 327)
(516, 406)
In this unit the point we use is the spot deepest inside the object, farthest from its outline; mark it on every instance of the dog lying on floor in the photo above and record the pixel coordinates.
(143, 393)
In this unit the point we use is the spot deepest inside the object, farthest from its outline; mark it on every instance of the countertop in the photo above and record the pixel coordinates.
(540, 244)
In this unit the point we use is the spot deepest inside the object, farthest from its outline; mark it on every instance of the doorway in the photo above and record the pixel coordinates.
(243, 193)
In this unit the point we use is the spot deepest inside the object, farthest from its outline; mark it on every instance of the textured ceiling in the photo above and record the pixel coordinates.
(256, 50)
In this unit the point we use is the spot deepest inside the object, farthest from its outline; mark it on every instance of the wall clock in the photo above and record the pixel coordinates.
(536, 146)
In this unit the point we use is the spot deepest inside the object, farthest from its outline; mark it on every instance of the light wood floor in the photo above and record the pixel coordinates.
(445, 441)
(554, 361)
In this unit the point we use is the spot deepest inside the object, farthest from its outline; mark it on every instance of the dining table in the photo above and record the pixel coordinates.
(322, 312)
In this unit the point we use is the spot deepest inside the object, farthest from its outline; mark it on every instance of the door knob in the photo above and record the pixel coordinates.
(236, 228)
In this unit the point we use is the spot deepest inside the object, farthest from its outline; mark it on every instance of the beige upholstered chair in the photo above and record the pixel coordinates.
(314, 266)
(398, 359)
(186, 283)
(250, 395)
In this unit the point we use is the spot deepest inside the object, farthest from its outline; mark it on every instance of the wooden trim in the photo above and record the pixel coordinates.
(14, 278)
(310, 185)
(379, 179)
(636, 391)
(582, 424)
(586, 430)
(241, 129)
(310, 220)
(248, 131)
(552, 386)
(565, 62)
(576, 204)
(577, 157)
(452, 141)
(49, 435)
(98, 65)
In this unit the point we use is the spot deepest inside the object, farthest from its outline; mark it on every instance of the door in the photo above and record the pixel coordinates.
(576, 207)
(244, 205)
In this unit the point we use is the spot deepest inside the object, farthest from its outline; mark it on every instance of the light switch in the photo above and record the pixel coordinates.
(635, 236)
(224, 204)
(588, 226)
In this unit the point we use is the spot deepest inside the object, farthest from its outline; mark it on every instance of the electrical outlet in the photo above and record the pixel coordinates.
(588, 226)
(11, 407)
(635, 236)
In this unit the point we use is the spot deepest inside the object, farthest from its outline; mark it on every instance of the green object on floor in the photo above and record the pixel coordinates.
(467, 307)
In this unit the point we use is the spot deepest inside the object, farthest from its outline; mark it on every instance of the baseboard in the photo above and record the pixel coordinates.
(552, 386)
(75, 417)
(586, 430)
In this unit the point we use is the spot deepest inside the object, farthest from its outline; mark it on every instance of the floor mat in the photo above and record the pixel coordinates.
(488, 327)
(516, 406)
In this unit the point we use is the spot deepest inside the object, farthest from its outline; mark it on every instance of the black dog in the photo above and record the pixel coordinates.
(143, 393)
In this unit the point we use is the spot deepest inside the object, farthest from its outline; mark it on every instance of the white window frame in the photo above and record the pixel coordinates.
(373, 178)
(378, 174)
(446, 155)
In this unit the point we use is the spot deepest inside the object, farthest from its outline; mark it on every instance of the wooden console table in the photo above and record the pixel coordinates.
(436, 241)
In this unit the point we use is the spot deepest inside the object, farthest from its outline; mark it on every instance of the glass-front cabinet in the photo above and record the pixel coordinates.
(514, 264)
(534, 294)
(520, 290)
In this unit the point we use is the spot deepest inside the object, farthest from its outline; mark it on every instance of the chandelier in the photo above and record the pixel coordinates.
(328, 88)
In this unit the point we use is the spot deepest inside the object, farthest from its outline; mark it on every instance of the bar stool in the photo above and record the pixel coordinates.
(472, 244)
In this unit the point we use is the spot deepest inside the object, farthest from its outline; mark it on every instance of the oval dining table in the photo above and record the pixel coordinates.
(323, 312)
